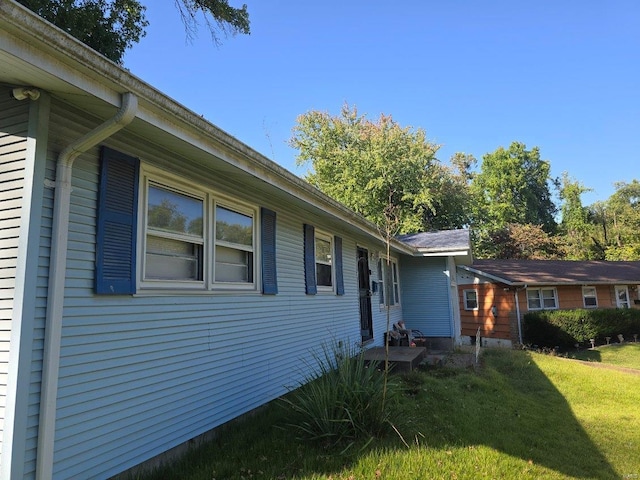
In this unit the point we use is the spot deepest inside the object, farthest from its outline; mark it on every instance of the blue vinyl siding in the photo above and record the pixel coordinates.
(142, 374)
(424, 287)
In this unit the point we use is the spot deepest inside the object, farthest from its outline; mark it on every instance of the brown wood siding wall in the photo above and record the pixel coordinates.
(505, 324)
(498, 326)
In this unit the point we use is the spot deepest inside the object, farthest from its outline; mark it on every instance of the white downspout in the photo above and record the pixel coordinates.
(57, 275)
(518, 316)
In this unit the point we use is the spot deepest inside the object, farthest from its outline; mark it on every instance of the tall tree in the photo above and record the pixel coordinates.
(519, 241)
(369, 165)
(218, 15)
(623, 219)
(113, 26)
(512, 187)
(576, 229)
(451, 197)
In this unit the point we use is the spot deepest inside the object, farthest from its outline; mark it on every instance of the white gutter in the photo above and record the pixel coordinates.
(57, 275)
(518, 313)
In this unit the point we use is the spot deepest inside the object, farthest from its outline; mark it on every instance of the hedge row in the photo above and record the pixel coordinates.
(565, 328)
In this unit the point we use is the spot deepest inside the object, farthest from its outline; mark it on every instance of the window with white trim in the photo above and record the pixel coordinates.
(470, 299)
(323, 264)
(174, 240)
(196, 238)
(542, 298)
(388, 281)
(234, 240)
(589, 297)
(324, 260)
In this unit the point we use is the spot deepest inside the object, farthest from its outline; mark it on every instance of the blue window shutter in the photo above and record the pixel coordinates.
(117, 223)
(268, 236)
(310, 260)
(337, 246)
(381, 281)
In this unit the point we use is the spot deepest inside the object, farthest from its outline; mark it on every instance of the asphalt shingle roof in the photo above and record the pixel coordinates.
(440, 240)
(540, 272)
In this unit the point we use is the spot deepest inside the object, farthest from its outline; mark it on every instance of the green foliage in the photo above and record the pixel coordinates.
(369, 166)
(108, 26)
(576, 229)
(451, 197)
(565, 328)
(622, 215)
(516, 241)
(512, 187)
(113, 26)
(342, 401)
(218, 15)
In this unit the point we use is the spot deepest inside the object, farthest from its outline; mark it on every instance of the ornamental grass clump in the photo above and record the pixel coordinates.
(343, 400)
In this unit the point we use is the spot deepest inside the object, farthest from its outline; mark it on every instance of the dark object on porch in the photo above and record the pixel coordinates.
(402, 359)
(396, 340)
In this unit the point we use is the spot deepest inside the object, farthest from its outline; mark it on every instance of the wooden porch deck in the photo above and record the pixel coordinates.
(403, 359)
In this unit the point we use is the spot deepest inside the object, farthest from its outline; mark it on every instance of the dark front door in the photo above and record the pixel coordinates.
(364, 289)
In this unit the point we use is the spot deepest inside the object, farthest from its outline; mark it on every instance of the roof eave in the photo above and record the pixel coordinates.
(84, 72)
(488, 275)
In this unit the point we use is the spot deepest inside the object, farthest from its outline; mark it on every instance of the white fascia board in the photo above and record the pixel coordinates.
(488, 275)
(442, 253)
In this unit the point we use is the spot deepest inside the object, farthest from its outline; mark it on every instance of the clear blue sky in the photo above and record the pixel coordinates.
(563, 75)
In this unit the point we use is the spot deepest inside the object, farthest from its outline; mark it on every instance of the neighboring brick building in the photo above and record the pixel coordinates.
(495, 294)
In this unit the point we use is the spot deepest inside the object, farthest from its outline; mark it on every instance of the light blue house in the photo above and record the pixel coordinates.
(158, 277)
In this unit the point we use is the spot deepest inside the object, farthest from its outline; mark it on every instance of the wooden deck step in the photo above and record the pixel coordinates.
(403, 359)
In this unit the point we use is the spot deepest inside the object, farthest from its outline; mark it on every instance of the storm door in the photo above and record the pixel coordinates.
(364, 294)
(622, 296)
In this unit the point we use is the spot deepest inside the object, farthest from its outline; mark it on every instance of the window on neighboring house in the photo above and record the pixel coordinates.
(541, 298)
(322, 262)
(470, 299)
(622, 296)
(191, 237)
(589, 296)
(388, 281)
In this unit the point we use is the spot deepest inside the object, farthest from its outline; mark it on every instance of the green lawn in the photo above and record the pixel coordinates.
(623, 355)
(524, 415)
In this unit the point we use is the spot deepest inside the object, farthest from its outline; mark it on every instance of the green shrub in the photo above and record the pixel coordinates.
(565, 328)
(344, 400)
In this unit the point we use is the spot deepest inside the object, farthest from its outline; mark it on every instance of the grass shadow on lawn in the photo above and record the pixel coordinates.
(626, 355)
(514, 408)
(510, 406)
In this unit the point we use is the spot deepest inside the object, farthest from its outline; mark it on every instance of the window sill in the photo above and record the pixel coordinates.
(391, 307)
(176, 292)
